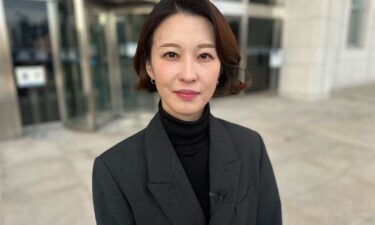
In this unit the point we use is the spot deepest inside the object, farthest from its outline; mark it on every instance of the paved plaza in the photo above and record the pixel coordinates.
(323, 155)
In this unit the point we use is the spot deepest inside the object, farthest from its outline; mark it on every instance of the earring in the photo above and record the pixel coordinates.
(152, 81)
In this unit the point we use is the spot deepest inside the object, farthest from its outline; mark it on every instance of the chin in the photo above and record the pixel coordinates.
(191, 106)
(189, 111)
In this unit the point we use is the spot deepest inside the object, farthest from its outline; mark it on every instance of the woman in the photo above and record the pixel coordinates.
(187, 167)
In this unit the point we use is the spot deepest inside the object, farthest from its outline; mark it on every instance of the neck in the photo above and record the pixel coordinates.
(182, 117)
(186, 133)
(188, 118)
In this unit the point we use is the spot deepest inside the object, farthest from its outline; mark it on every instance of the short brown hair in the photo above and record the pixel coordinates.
(226, 44)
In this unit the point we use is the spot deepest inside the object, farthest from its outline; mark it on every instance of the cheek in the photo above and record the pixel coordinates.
(163, 69)
(212, 74)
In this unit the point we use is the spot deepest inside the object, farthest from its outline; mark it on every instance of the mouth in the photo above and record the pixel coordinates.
(186, 94)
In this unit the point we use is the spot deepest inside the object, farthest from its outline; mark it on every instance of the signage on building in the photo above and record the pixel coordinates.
(276, 58)
(128, 49)
(131, 48)
(30, 76)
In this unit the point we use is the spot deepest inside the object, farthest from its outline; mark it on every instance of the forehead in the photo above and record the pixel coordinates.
(183, 28)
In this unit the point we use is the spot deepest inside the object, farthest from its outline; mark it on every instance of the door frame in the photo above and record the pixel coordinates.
(11, 126)
(114, 67)
(83, 11)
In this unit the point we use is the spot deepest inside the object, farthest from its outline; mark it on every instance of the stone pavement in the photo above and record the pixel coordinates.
(323, 155)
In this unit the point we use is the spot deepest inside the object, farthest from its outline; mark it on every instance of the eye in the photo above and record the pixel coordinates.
(170, 55)
(205, 57)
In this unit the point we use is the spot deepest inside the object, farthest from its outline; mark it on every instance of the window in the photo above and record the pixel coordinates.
(356, 23)
(266, 2)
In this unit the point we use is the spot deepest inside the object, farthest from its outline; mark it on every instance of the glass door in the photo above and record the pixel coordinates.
(263, 41)
(128, 27)
(234, 23)
(99, 63)
(95, 52)
(27, 22)
(69, 56)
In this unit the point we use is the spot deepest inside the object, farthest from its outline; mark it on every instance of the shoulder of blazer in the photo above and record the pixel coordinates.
(241, 134)
(125, 152)
(248, 143)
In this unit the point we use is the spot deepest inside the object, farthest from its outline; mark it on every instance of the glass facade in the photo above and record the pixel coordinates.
(266, 2)
(99, 67)
(234, 23)
(259, 47)
(30, 43)
(94, 48)
(75, 99)
(128, 31)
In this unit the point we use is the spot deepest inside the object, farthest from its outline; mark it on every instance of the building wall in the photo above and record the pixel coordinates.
(317, 59)
(356, 66)
(303, 38)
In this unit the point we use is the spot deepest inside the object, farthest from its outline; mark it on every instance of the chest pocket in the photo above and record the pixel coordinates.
(246, 208)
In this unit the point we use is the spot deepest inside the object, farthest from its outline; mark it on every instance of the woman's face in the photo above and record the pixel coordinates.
(184, 64)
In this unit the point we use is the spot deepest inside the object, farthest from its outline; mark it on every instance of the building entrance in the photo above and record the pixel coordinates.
(95, 46)
(99, 65)
(29, 36)
(128, 28)
(263, 49)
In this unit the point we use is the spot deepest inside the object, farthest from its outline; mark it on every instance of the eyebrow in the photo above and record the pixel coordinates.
(208, 45)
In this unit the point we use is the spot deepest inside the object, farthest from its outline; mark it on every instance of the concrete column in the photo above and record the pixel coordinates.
(10, 121)
(310, 40)
(371, 55)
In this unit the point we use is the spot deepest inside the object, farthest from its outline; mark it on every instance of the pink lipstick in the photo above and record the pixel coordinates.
(186, 94)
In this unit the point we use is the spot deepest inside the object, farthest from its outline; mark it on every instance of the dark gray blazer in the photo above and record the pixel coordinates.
(141, 180)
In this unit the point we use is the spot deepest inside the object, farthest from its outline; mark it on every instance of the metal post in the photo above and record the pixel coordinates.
(114, 65)
(53, 23)
(244, 30)
(84, 45)
(10, 118)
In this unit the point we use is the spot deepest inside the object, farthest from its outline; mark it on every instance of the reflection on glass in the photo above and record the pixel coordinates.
(99, 68)
(75, 99)
(128, 31)
(30, 44)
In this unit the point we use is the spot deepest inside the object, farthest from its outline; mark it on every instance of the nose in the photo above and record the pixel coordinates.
(188, 72)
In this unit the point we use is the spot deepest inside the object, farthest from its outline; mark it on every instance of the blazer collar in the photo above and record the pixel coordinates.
(170, 185)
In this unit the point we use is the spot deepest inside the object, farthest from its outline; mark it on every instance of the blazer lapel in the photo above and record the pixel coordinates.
(224, 170)
(168, 181)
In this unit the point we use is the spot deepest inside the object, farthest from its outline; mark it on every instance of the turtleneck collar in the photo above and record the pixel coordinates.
(187, 136)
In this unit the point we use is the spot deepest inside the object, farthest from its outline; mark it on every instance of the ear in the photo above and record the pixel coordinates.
(149, 70)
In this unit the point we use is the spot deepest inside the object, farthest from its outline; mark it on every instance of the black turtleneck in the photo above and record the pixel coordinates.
(191, 143)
